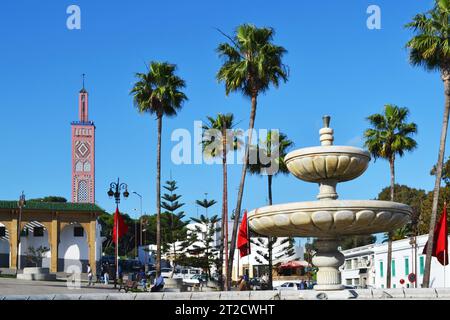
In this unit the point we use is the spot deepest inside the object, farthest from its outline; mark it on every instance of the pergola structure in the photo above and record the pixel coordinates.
(54, 217)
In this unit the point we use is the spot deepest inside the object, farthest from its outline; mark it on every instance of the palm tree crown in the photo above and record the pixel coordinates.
(274, 146)
(252, 62)
(159, 91)
(390, 134)
(430, 47)
(213, 139)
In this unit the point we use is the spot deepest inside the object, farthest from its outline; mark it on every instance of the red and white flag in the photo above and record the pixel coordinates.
(243, 242)
(119, 222)
(440, 245)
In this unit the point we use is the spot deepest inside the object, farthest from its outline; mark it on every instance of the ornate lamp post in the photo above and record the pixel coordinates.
(114, 191)
(21, 203)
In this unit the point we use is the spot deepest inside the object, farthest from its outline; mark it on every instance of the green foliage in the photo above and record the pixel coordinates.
(390, 135)
(214, 136)
(430, 46)
(173, 226)
(276, 146)
(159, 91)
(206, 251)
(126, 243)
(415, 198)
(445, 172)
(356, 241)
(251, 61)
(50, 199)
(35, 255)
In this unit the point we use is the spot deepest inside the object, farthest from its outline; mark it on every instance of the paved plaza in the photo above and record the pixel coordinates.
(11, 286)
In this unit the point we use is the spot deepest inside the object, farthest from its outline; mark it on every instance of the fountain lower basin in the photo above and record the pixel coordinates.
(329, 218)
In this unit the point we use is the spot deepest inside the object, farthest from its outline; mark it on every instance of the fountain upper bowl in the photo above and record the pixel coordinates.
(337, 163)
(329, 218)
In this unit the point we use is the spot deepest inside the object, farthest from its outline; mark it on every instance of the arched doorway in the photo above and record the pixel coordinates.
(4, 247)
(33, 237)
(73, 249)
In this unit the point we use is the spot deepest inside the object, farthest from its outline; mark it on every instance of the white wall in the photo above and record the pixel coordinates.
(35, 242)
(400, 250)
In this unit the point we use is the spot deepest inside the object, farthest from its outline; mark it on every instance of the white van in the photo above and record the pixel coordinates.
(187, 273)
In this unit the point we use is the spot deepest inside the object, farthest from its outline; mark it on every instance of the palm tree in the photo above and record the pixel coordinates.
(430, 48)
(219, 139)
(269, 156)
(251, 64)
(390, 136)
(159, 92)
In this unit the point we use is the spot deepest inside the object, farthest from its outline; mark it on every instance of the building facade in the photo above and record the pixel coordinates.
(83, 153)
(68, 231)
(359, 268)
(366, 266)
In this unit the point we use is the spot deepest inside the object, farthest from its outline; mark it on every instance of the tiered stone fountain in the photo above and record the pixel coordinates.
(328, 219)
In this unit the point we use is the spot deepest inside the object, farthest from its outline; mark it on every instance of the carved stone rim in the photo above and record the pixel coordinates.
(326, 150)
(331, 205)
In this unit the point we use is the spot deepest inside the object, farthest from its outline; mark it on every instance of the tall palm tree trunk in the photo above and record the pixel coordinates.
(389, 251)
(446, 78)
(237, 212)
(225, 206)
(158, 198)
(270, 239)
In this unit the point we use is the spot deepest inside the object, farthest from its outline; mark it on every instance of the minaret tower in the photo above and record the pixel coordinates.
(83, 153)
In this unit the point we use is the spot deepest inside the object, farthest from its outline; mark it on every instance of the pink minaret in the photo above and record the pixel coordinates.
(83, 153)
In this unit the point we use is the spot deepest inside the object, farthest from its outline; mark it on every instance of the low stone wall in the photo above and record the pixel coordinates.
(422, 294)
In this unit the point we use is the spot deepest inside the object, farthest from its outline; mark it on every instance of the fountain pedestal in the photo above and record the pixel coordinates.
(328, 259)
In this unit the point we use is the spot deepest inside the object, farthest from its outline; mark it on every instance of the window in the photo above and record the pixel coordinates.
(422, 265)
(78, 232)
(393, 267)
(406, 266)
(78, 166)
(82, 191)
(348, 264)
(38, 231)
(24, 232)
(2, 231)
(381, 269)
(87, 166)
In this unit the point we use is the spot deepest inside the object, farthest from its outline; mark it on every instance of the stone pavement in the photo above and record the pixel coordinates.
(13, 289)
(12, 286)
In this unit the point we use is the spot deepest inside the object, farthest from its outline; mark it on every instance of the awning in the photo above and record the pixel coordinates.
(293, 264)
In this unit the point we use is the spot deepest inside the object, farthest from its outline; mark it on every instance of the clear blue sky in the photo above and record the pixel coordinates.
(338, 67)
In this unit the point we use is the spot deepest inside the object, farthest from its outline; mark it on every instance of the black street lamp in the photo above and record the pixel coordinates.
(115, 188)
(114, 191)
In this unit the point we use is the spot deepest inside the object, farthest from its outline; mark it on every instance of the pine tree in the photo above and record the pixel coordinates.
(174, 228)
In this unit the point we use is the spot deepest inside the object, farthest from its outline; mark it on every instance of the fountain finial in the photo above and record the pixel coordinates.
(326, 121)
(326, 133)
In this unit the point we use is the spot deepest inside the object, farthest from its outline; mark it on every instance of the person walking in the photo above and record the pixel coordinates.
(106, 275)
(89, 273)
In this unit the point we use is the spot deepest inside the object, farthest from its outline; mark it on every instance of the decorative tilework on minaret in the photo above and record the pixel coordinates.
(83, 153)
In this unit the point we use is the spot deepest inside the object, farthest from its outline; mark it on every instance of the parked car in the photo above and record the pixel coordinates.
(187, 273)
(196, 279)
(290, 285)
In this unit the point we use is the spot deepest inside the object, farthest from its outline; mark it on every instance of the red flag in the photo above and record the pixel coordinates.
(243, 243)
(440, 245)
(118, 220)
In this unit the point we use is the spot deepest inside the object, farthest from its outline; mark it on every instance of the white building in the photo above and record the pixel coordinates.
(359, 268)
(367, 265)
